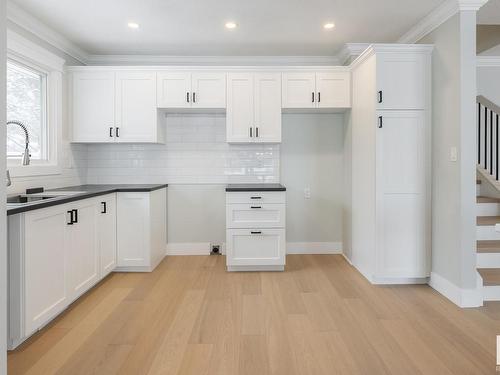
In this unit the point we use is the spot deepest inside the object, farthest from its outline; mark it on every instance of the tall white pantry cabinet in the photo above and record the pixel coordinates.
(389, 131)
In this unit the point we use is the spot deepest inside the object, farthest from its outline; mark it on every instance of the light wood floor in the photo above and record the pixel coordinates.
(319, 317)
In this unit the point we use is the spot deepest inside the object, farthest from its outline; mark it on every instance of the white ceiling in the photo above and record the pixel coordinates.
(489, 13)
(196, 27)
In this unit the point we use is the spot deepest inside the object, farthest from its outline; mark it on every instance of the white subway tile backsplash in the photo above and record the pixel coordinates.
(195, 152)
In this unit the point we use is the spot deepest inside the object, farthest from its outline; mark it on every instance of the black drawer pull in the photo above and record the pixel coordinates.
(255, 197)
(255, 206)
(259, 232)
(380, 97)
(104, 208)
(70, 212)
(76, 216)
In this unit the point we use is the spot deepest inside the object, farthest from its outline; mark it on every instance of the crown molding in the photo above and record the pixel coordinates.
(210, 60)
(488, 61)
(438, 16)
(351, 51)
(25, 20)
(394, 47)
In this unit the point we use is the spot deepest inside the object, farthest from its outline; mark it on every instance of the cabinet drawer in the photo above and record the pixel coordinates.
(248, 247)
(256, 215)
(257, 197)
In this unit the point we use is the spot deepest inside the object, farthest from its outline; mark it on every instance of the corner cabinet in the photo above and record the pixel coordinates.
(253, 108)
(391, 170)
(114, 106)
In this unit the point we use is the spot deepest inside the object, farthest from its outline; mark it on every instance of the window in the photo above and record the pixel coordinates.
(27, 103)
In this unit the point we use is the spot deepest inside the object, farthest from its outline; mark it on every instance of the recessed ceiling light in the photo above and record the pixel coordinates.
(329, 25)
(133, 25)
(231, 25)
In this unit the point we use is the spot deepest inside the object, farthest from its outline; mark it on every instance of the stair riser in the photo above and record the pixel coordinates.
(488, 260)
(488, 209)
(491, 293)
(487, 232)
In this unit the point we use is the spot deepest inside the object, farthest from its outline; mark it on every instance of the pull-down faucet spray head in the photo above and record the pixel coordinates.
(26, 154)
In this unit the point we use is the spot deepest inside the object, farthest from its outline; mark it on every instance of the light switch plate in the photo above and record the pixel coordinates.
(453, 154)
(307, 193)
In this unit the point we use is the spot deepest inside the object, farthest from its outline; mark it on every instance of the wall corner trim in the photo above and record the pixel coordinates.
(460, 297)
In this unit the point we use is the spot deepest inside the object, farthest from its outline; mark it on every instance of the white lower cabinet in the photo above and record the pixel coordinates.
(255, 231)
(141, 230)
(58, 253)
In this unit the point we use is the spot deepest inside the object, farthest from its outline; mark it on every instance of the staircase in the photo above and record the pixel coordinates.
(488, 244)
(488, 198)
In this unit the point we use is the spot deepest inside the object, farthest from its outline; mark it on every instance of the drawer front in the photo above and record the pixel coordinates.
(256, 197)
(256, 215)
(247, 247)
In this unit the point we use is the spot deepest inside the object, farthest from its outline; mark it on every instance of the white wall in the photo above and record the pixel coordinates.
(312, 157)
(488, 82)
(453, 90)
(3, 217)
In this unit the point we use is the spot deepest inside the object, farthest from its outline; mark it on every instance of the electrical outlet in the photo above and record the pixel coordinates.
(215, 250)
(453, 154)
(307, 193)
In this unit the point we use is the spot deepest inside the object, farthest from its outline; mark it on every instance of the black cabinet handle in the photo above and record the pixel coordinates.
(111, 131)
(255, 197)
(380, 97)
(251, 132)
(255, 206)
(117, 132)
(257, 132)
(187, 97)
(319, 97)
(380, 122)
(312, 97)
(194, 97)
(104, 208)
(256, 232)
(75, 216)
(70, 217)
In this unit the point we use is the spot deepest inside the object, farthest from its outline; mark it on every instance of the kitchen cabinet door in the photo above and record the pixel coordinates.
(133, 230)
(136, 117)
(83, 251)
(400, 195)
(299, 90)
(400, 82)
(93, 106)
(240, 108)
(208, 90)
(107, 234)
(333, 90)
(45, 256)
(174, 90)
(267, 107)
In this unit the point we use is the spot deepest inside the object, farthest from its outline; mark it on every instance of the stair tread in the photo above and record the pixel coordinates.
(491, 276)
(487, 220)
(482, 199)
(488, 246)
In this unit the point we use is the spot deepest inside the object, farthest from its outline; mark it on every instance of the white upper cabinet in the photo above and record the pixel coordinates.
(317, 90)
(240, 103)
(253, 108)
(93, 105)
(333, 90)
(399, 80)
(135, 117)
(191, 90)
(208, 90)
(114, 107)
(174, 90)
(299, 90)
(267, 102)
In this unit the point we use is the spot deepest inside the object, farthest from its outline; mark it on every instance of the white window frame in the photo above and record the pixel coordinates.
(25, 52)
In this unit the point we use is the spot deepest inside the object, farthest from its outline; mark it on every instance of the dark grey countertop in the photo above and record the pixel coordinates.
(88, 191)
(254, 187)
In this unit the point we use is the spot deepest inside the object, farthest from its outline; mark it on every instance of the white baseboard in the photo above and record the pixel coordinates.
(460, 297)
(314, 247)
(188, 248)
(347, 259)
(491, 293)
